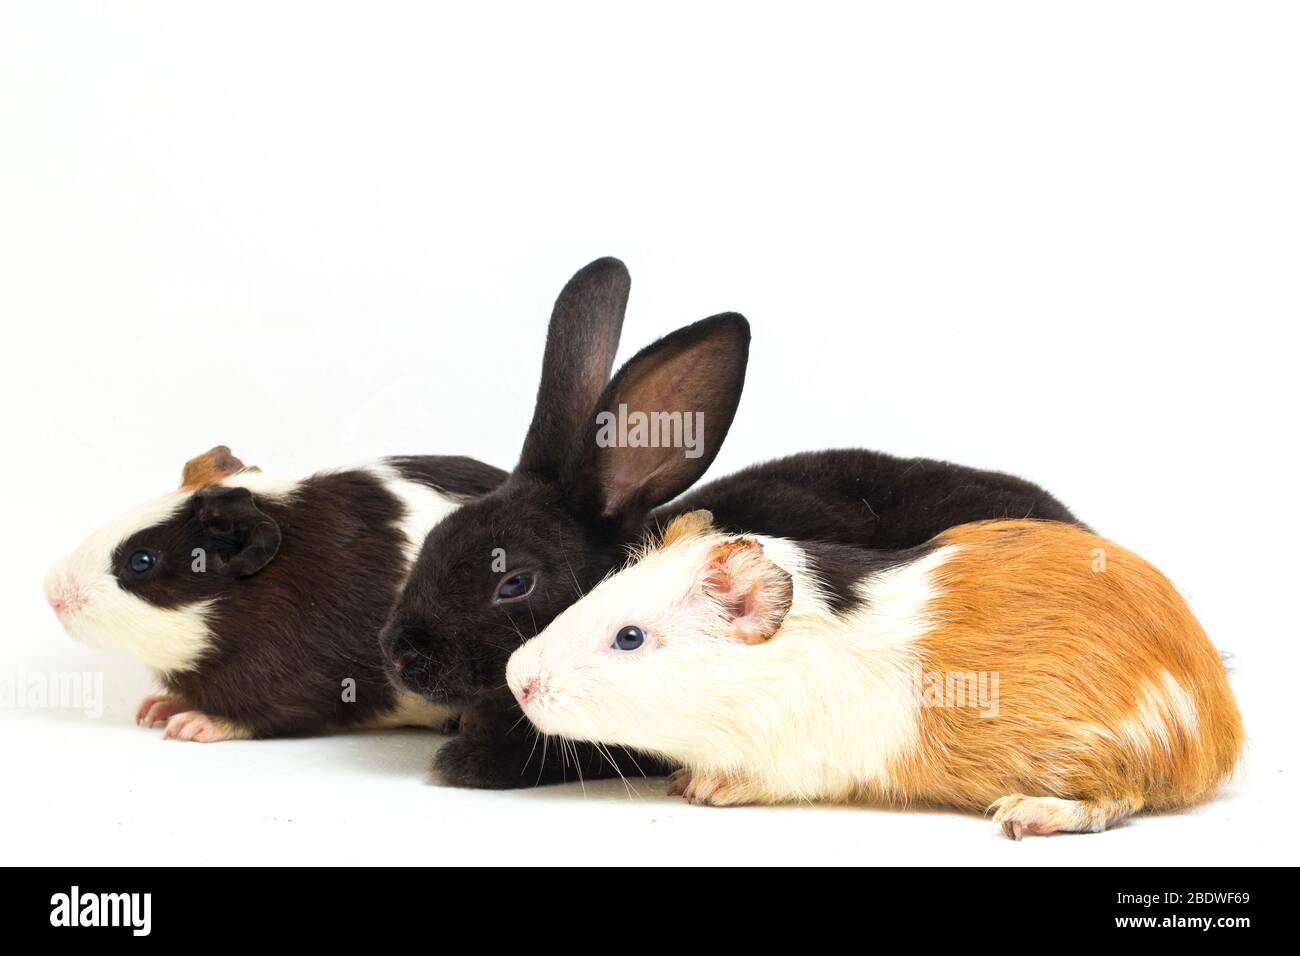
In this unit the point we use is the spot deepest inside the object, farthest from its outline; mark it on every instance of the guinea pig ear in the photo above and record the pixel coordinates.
(661, 421)
(581, 343)
(210, 467)
(232, 516)
(753, 592)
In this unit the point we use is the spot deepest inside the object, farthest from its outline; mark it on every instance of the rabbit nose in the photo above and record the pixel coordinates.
(404, 647)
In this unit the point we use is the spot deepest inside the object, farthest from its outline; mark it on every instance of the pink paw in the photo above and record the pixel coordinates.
(1040, 816)
(199, 727)
(678, 781)
(156, 709)
(709, 789)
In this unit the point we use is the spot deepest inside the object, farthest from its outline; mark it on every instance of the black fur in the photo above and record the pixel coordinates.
(450, 637)
(865, 498)
(581, 343)
(453, 475)
(287, 635)
(840, 568)
(571, 509)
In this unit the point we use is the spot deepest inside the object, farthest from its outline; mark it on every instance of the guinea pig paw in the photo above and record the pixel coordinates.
(199, 727)
(156, 709)
(678, 781)
(709, 789)
(1039, 816)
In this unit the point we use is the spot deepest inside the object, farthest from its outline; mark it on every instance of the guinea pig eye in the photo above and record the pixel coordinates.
(516, 586)
(629, 638)
(141, 561)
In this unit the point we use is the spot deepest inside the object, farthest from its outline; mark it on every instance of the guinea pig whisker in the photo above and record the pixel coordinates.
(635, 764)
(537, 735)
(604, 751)
(522, 718)
(546, 742)
(577, 764)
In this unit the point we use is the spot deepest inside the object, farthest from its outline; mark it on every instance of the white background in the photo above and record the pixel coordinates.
(1059, 242)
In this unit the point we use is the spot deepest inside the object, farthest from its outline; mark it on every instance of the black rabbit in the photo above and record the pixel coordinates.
(502, 567)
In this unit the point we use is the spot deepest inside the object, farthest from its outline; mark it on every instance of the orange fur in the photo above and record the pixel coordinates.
(1082, 634)
(685, 526)
(210, 468)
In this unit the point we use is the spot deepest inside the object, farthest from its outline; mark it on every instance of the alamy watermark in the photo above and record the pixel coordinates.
(53, 690)
(974, 689)
(624, 429)
(76, 908)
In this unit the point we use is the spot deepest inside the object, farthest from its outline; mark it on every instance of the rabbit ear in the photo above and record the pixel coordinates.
(580, 347)
(661, 421)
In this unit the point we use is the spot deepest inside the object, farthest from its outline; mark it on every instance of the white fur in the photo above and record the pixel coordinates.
(1164, 708)
(424, 507)
(101, 614)
(818, 711)
(411, 710)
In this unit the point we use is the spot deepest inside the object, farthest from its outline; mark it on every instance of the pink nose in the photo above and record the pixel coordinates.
(528, 690)
(64, 597)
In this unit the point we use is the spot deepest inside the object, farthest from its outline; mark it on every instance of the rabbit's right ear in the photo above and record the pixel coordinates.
(580, 347)
(660, 423)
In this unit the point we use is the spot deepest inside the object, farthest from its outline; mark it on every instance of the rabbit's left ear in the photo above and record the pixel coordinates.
(581, 342)
(660, 422)
(752, 591)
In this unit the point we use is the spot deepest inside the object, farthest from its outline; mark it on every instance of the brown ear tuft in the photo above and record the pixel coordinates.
(210, 467)
(686, 526)
(755, 594)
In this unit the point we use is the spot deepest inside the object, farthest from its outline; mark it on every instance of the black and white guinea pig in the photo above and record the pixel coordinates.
(1031, 668)
(258, 601)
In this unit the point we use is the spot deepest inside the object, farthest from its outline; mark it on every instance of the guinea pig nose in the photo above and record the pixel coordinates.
(404, 660)
(63, 596)
(527, 691)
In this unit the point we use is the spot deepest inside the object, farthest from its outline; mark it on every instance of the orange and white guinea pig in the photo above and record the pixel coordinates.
(1024, 667)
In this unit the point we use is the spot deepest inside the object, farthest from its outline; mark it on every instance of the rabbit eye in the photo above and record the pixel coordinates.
(629, 638)
(141, 561)
(516, 586)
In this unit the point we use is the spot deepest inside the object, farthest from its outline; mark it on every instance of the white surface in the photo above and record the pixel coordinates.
(1057, 243)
